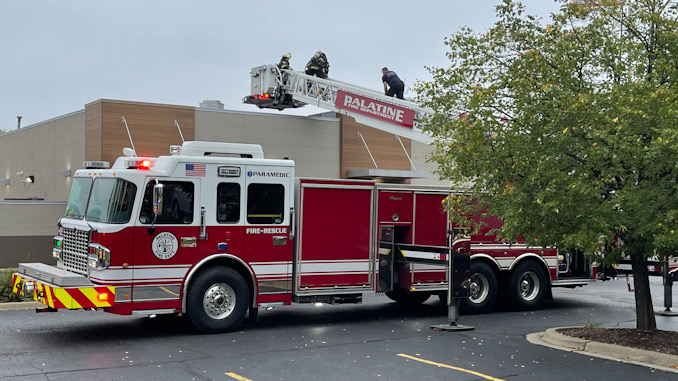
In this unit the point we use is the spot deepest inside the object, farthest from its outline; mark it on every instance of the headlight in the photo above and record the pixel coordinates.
(99, 257)
(28, 289)
(58, 248)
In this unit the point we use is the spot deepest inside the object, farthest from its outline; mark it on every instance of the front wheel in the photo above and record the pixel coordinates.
(482, 290)
(217, 300)
(527, 286)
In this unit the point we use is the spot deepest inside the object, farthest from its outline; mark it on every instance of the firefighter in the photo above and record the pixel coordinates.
(392, 83)
(285, 62)
(318, 65)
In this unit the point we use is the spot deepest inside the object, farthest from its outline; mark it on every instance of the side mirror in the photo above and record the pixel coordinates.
(158, 191)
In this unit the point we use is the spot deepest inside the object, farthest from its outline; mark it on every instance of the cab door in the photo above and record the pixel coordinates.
(268, 243)
(165, 249)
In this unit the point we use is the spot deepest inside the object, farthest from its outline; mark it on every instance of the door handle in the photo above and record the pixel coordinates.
(189, 242)
(279, 240)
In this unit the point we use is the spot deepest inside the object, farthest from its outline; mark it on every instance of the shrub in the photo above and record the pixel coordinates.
(6, 294)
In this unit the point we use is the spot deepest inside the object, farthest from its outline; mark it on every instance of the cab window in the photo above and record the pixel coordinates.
(265, 203)
(228, 203)
(177, 205)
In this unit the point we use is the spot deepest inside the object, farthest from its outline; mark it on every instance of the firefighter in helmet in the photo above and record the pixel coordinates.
(318, 65)
(285, 62)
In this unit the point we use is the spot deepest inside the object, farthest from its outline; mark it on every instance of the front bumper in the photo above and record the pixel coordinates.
(57, 288)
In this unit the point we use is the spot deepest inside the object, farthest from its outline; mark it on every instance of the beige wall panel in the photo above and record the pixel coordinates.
(30, 218)
(26, 231)
(15, 250)
(312, 153)
(420, 154)
(17, 152)
(317, 169)
(42, 150)
(313, 143)
(220, 126)
(317, 140)
(270, 136)
(69, 153)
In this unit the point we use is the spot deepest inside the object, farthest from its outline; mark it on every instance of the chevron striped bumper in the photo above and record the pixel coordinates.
(56, 297)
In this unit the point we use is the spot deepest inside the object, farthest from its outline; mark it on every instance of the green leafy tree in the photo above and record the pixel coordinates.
(568, 129)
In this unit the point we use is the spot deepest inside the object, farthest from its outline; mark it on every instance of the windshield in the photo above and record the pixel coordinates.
(77, 201)
(111, 201)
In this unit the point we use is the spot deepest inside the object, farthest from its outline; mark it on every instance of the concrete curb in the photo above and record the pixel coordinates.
(551, 338)
(20, 306)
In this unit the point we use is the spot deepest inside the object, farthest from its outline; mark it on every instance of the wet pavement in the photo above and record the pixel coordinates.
(376, 340)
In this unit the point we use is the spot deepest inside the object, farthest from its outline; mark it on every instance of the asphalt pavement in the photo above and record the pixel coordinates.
(374, 340)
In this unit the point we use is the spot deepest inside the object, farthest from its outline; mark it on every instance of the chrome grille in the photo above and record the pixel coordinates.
(75, 250)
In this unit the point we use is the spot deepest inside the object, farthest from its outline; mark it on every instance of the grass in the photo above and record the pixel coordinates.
(6, 294)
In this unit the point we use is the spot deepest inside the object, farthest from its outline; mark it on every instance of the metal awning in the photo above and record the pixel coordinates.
(386, 174)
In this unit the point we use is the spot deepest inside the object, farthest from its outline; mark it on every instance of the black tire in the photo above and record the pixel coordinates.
(482, 290)
(527, 286)
(217, 300)
(408, 298)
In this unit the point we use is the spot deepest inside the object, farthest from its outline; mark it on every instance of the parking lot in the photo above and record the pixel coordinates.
(376, 340)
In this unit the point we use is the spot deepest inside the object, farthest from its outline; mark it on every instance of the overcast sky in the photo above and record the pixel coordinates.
(58, 56)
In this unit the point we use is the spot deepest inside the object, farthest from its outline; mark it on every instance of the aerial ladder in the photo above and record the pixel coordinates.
(275, 88)
(280, 89)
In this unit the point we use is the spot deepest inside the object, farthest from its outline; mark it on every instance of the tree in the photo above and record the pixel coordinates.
(567, 128)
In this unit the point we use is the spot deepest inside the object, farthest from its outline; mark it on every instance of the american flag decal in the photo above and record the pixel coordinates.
(195, 170)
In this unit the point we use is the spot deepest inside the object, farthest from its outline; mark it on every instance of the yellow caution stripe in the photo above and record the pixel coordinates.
(72, 298)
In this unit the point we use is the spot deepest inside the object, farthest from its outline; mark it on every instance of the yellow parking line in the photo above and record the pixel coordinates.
(237, 377)
(450, 367)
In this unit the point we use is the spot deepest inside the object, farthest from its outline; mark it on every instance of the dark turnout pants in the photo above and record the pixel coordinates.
(397, 90)
(317, 72)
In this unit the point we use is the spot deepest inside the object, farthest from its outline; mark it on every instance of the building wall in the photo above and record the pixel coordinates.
(385, 149)
(42, 150)
(150, 125)
(312, 142)
(420, 154)
(26, 231)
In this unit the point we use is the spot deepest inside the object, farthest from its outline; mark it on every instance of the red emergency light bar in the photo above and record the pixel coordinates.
(140, 164)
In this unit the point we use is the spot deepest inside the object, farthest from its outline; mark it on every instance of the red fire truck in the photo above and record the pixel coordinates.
(215, 229)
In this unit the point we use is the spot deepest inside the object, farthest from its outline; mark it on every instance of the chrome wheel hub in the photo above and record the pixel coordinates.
(479, 288)
(529, 286)
(219, 301)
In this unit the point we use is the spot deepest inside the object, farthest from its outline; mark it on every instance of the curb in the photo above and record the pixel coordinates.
(551, 338)
(13, 306)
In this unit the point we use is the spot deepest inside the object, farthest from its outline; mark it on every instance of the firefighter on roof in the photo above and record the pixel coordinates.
(318, 65)
(393, 85)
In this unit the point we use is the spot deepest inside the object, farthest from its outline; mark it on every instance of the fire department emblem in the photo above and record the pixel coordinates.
(165, 245)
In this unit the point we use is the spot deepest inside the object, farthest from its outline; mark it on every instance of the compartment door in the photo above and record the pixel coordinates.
(335, 243)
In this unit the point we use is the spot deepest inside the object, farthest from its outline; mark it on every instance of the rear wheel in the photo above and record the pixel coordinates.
(482, 290)
(527, 286)
(408, 298)
(217, 300)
